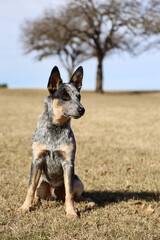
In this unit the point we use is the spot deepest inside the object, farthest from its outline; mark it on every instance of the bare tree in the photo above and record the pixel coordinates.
(151, 25)
(111, 26)
(48, 36)
(92, 28)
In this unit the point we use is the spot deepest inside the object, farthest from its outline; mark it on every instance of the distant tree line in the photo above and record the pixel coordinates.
(3, 85)
(88, 28)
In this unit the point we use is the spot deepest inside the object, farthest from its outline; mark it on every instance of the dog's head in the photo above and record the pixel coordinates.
(66, 96)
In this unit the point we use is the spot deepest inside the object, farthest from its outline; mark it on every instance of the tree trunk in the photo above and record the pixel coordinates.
(99, 77)
(71, 68)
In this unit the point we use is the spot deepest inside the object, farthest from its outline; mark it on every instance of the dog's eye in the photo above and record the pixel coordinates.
(66, 97)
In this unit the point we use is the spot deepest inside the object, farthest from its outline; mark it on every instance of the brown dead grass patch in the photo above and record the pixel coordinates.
(118, 160)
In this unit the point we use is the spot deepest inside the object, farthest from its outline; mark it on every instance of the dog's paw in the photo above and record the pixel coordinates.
(23, 209)
(72, 215)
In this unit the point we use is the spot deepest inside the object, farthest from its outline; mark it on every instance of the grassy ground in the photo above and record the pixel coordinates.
(118, 160)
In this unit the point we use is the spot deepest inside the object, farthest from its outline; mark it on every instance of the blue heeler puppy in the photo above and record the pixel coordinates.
(54, 146)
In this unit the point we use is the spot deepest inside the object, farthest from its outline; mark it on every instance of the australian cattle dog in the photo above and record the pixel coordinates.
(54, 146)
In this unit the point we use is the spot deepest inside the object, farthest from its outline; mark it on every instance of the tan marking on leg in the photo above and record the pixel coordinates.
(69, 199)
(31, 191)
(58, 117)
(38, 149)
(67, 151)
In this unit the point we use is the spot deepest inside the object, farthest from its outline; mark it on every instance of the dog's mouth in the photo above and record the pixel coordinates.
(72, 116)
(76, 117)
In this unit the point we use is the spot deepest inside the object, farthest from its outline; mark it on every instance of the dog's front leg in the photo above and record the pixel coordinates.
(69, 190)
(34, 179)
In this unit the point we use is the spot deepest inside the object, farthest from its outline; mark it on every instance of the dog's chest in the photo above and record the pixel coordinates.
(52, 167)
(54, 149)
(54, 162)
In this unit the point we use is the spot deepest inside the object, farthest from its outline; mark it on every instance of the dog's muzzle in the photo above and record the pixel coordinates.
(81, 111)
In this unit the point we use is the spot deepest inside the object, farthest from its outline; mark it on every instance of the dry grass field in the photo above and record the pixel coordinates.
(118, 160)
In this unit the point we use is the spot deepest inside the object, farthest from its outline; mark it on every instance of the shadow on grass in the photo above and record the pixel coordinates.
(103, 198)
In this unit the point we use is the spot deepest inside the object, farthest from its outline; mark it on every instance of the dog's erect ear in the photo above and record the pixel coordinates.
(54, 80)
(76, 78)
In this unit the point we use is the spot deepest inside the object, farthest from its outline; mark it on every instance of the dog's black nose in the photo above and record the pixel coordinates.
(81, 110)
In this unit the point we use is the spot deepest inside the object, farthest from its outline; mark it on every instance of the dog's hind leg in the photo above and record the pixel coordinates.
(44, 191)
(78, 190)
(78, 186)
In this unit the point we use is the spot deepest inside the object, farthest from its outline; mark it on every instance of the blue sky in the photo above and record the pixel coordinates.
(121, 72)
